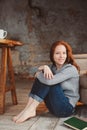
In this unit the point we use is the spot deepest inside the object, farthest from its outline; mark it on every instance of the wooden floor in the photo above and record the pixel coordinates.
(43, 121)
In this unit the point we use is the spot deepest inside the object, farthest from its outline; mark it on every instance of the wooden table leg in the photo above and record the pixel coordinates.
(6, 64)
(11, 76)
(3, 79)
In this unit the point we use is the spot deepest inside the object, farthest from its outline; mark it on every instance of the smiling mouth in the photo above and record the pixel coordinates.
(61, 60)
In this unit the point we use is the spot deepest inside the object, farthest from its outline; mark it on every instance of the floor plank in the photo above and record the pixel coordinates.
(44, 123)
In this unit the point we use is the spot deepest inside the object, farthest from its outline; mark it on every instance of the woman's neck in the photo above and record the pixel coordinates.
(58, 66)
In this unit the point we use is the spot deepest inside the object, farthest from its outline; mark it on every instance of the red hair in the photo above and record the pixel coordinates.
(69, 59)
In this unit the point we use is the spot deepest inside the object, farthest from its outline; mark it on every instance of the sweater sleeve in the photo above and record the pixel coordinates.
(61, 76)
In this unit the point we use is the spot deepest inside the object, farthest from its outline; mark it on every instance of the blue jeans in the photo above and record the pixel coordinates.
(54, 98)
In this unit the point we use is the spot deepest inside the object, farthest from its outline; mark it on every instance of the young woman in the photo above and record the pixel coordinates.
(57, 85)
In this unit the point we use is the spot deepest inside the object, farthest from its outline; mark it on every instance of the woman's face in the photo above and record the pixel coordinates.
(60, 55)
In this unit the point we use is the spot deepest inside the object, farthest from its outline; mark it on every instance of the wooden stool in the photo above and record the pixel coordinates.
(6, 64)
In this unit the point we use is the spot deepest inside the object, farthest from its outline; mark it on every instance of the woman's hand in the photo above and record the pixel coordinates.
(36, 74)
(47, 71)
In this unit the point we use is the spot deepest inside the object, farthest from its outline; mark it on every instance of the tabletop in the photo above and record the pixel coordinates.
(10, 42)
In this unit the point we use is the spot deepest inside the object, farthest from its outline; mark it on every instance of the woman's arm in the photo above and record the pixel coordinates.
(61, 76)
(47, 73)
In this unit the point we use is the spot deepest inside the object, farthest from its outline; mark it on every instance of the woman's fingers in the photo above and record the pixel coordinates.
(48, 75)
(47, 72)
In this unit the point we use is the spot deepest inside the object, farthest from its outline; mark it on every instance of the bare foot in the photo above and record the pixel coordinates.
(27, 106)
(16, 117)
(27, 114)
(20, 114)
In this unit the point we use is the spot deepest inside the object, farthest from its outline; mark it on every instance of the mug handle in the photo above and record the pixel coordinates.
(5, 34)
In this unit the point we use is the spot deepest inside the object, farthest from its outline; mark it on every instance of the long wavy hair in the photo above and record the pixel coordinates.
(69, 59)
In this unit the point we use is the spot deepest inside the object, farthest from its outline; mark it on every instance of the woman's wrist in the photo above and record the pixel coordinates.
(41, 68)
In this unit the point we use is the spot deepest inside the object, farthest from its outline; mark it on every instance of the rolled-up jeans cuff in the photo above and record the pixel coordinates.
(35, 97)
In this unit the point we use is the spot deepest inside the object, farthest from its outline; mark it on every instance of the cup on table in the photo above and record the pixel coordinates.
(3, 34)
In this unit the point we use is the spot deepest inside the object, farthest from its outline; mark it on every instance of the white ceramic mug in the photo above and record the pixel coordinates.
(3, 33)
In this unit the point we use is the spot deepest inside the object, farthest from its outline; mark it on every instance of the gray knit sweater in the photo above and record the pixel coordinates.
(68, 78)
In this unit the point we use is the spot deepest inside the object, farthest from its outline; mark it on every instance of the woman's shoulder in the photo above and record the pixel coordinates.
(71, 68)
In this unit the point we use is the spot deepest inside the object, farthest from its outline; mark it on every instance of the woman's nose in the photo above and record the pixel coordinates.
(61, 55)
